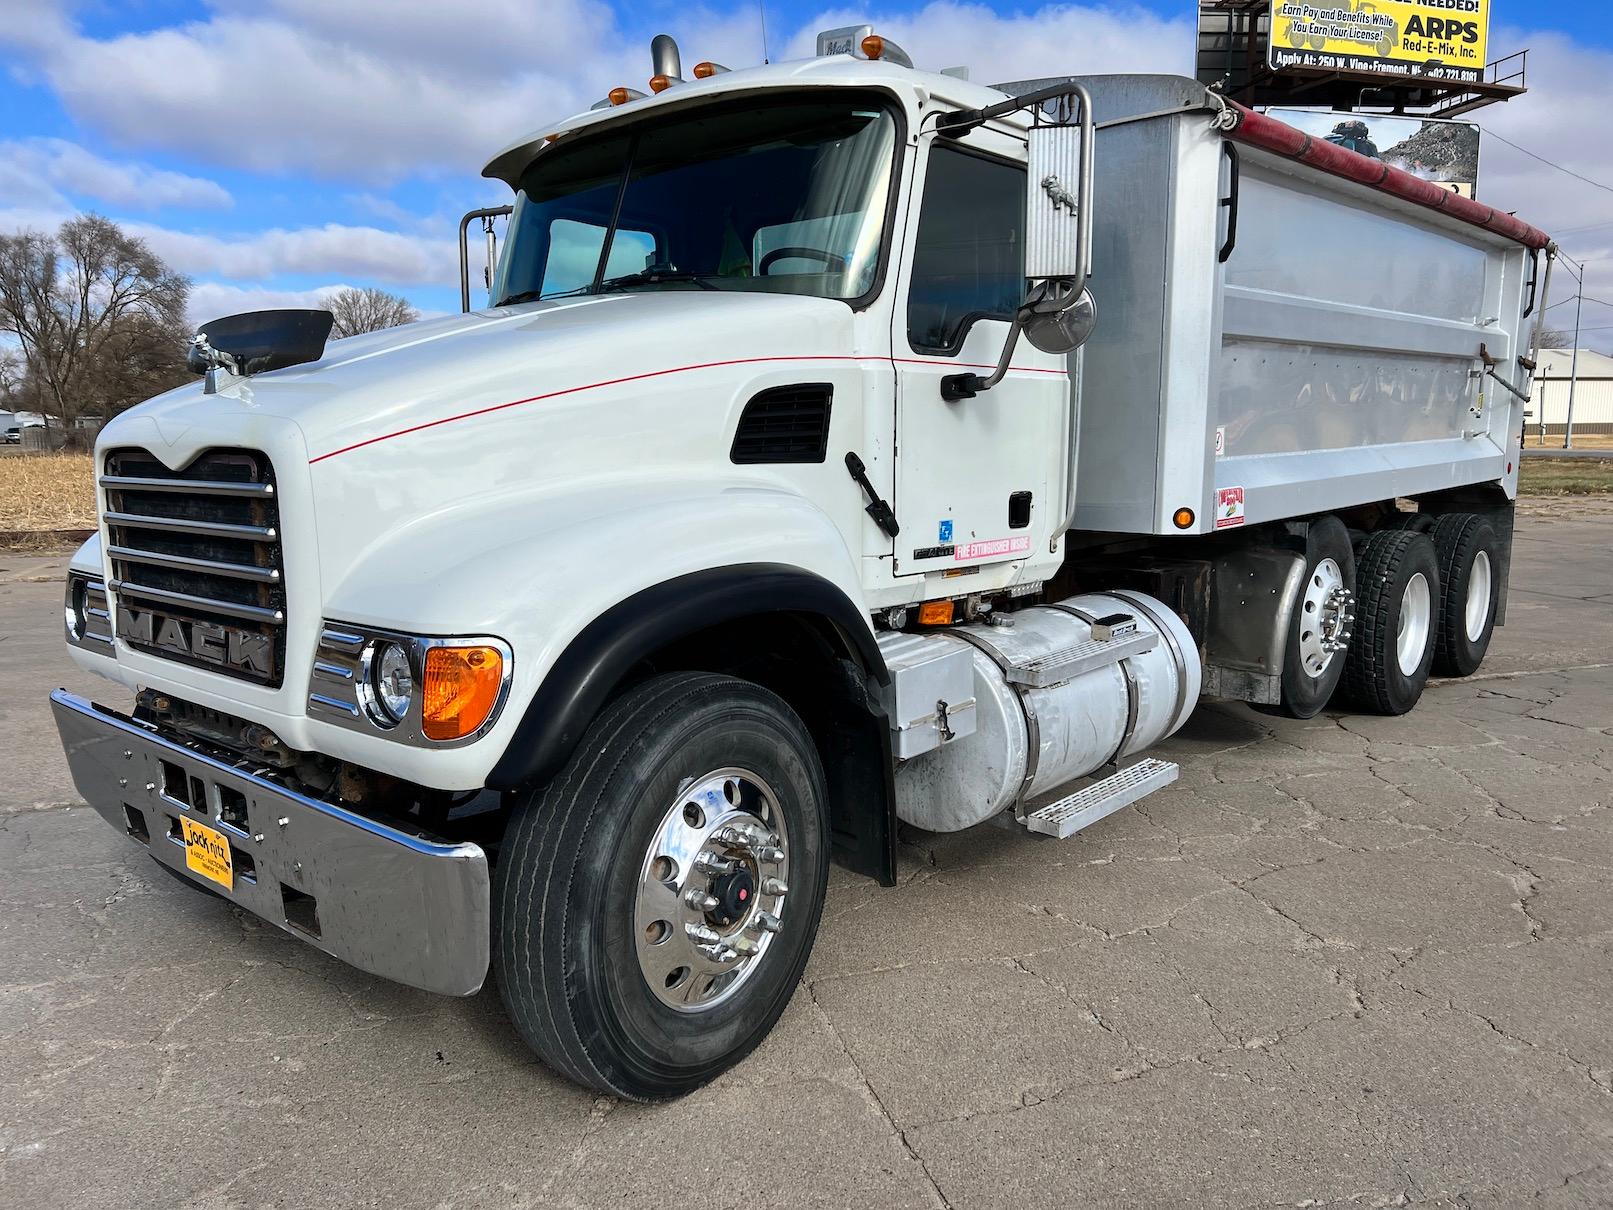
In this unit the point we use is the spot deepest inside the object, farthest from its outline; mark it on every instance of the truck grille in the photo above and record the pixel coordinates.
(196, 560)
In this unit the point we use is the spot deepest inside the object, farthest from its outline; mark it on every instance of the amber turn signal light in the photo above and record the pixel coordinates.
(1184, 518)
(935, 613)
(461, 689)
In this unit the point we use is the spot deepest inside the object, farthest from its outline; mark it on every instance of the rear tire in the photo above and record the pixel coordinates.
(595, 888)
(1313, 656)
(1397, 601)
(1469, 555)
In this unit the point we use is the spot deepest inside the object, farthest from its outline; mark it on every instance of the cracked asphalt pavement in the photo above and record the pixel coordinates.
(1352, 961)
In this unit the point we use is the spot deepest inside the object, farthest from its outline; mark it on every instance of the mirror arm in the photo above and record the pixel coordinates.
(966, 386)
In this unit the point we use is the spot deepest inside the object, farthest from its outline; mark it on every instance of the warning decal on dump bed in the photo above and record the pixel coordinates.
(1228, 507)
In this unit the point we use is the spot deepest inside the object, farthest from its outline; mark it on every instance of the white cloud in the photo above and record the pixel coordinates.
(48, 172)
(367, 254)
(334, 87)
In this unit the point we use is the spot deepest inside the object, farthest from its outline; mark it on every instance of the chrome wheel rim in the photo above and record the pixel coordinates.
(1411, 633)
(711, 890)
(1476, 611)
(1325, 617)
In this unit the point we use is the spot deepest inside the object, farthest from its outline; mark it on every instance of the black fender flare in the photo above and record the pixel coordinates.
(602, 654)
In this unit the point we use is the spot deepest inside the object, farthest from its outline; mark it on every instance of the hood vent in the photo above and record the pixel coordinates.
(785, 424)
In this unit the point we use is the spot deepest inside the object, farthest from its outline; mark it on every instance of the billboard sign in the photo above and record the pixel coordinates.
(1423, 39)
(1446, 153)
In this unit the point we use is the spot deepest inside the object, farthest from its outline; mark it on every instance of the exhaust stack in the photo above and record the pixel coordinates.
(664, 55)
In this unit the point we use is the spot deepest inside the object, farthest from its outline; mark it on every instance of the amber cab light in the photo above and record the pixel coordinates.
(935, 613)
(1184, 518)
(704, 71)
(873, 46)
(619, 95)
(660, 83)
(461, 689)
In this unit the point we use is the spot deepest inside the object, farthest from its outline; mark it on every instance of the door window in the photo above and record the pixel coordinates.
(969, 258)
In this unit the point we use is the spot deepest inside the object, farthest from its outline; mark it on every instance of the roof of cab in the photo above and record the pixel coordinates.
(829, 71)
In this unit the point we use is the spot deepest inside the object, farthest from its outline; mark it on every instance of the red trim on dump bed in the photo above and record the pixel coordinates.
(1267, 133)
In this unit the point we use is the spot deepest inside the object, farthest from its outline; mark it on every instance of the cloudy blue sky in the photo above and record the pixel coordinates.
(273, 149)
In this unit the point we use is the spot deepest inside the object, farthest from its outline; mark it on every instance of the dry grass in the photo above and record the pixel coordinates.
(47, 491)
(1565, 476)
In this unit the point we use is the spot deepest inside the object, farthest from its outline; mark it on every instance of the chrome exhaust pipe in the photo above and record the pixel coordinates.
(664, 55)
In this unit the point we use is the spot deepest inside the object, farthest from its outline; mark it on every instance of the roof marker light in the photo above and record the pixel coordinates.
(621, 96)
(873, 46)
(660, 83)
(704, 71)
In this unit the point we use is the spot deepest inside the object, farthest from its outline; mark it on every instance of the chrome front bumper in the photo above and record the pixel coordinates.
(381, 899)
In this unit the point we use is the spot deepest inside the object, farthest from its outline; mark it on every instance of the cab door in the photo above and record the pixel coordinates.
(976, 479)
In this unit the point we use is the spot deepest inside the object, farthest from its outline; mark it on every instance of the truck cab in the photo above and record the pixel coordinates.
(573, 637)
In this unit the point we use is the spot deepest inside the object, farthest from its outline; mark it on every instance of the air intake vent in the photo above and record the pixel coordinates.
(785, 424)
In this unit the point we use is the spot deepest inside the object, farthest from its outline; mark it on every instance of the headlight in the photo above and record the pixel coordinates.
(391, 683)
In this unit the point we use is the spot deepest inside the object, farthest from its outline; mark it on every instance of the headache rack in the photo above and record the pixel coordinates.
(199, 548)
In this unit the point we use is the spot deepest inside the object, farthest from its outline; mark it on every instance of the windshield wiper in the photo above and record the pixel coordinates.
(654, 276)
(520, 297)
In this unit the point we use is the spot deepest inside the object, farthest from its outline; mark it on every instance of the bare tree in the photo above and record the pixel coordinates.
(1553, 338)
(367, 310)
(99, 320)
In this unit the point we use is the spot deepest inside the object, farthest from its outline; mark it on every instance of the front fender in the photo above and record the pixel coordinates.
(540, 570)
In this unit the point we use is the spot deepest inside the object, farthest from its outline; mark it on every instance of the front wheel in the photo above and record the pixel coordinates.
(656, 903)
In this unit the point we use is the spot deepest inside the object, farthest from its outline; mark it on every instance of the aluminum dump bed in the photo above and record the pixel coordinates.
(1276, 340)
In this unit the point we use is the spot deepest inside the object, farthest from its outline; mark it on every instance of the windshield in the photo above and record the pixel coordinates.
(782, 196)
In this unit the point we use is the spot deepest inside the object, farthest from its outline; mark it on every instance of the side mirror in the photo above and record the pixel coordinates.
(1058, 313)
(1058, 204)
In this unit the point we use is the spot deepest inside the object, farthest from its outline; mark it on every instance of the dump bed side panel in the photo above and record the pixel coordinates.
(1331, 360)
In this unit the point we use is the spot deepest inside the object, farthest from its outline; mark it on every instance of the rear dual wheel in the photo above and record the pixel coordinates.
(655, 904)
(1398, 595)
(1469, 554)
(1313, 657)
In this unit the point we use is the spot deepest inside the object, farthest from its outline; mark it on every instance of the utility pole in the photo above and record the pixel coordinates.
(1573, 366)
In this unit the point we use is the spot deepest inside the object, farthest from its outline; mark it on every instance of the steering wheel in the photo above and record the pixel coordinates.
(831, 260)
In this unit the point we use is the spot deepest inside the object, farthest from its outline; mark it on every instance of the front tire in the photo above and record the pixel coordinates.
(1470, 583)
(656, 903)
(1397, 596)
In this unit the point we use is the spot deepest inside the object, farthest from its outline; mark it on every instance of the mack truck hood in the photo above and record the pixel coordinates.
(381, 385)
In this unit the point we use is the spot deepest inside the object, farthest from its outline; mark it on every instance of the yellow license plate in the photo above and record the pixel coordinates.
(207, 853)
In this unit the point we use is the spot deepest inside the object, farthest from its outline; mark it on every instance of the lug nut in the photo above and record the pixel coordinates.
(709, 863)
(770, 855)
(699, 900)
(700, 934)
(720, 953)
(744, 946)
(774, 886)
(764, 922)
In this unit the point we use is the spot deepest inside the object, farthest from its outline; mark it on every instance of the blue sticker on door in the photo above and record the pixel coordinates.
(945, 534)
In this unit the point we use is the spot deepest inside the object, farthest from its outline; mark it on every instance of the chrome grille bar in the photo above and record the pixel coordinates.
(195, 487)
(207, 605)
(200, 529)
(236, 571)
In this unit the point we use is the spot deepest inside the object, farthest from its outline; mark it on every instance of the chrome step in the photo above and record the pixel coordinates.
(1091, 803)
(1066, 664)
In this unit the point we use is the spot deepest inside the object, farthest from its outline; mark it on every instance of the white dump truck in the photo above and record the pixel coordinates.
(842, 444)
